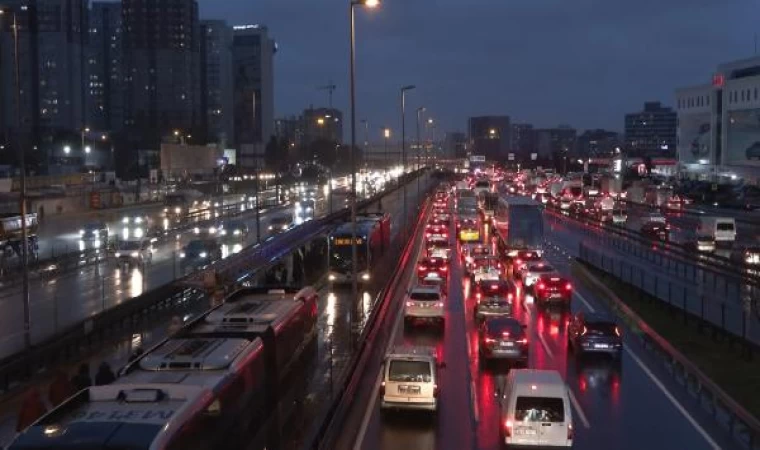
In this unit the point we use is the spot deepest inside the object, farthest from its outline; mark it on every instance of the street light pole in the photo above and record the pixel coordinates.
(420, 110)
(22, 193)
(403, 147)
(386, 135)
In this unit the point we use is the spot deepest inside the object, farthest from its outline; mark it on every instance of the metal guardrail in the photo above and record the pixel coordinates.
(743, 426)
(686, 211)
(374, 334)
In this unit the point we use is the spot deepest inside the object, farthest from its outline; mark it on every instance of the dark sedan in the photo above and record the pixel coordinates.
(594, 333)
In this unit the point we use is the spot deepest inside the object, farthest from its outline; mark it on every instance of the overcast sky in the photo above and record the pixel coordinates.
(579, 62)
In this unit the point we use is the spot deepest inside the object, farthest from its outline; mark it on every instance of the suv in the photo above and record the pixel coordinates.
(279, 224)
(531, 271)
(425, 303)
(594, 333)
(489, 305)
(200, 253)
(438, 247)
(432, 267)
(502, 338)
(485, 268)
(553, 288)
(410, 379)
(134, 251)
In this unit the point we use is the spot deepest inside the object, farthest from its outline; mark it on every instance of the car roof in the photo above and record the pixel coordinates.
(419, 289)
(540, 263)
(503, 322)
(598, 318)
(537, 377)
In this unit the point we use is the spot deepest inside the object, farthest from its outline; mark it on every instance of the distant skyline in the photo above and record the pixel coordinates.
(584, 63)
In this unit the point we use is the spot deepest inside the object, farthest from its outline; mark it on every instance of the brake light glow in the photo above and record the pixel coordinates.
(505, 333)
(569, 287)
(423, 267)
(508, 428)
(510, 297)
(617, 331)
(585, 330)
(409, 303)
(540, 286)
(435, 390)
(439, 304)
(569, 431)
(494, 287)
(382, 388)
(444, 269)
(523, 341)
(490, 340)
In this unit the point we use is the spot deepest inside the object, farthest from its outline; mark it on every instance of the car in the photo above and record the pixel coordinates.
(523, 257)
(500, 288)
(134, 251)
(490, 305)
(486, 268)
(236, 229)
(471, 251)
(619, 216)
(436, 228)
(751, 255)
(425, 304)
(443, 217)
(279, 224)
(215, 228)
(409, 379)
(655, 231)
(502, 338)
(565, 204)
(94, 231)
(594, 333)
(578, 210)
(438, 247)
(535, 410)
(553, 288)
(704, 244)
(432, 267)
(530, 272)
(200, 253)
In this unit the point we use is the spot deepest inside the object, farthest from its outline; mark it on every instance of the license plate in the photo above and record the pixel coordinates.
(601, 346)
(555, 295)
(433, 274)
(525, 431)
(409, 389)
(507, 344)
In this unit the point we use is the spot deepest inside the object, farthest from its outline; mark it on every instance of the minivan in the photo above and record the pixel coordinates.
(535, 410)
(722, 229)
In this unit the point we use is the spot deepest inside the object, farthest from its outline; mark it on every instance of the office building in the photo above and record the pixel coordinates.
(322, 124)
(651, 131)
(103, 86)
(455, 145)
(161, 48)
(523, 140)
(719, 125)
(253, 83)
(290, 129)
(597, 143)
(554, 142)
(52, 37)
(216, 81)
(490, 136)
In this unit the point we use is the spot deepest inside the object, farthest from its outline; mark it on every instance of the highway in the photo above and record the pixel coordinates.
(71, 297)
(632, 405)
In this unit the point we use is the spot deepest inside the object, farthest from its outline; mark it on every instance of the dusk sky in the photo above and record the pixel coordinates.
(579, 62)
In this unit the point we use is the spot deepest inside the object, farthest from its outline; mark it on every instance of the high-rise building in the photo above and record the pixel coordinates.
(490, 136)
(216, 81)
(322, 123)
(290, 130)
(551, 142)
(523, 140)
(161, 70)
(253, 83)
(455, 145)
(52, 37)
(651, 130)
(597, 143)
(104, 83)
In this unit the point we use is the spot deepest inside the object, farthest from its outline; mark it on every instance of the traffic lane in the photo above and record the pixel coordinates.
(619, 399)
(451, 427)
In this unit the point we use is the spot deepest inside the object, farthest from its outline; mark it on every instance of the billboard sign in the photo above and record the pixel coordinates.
(694, 138)
(743, 138)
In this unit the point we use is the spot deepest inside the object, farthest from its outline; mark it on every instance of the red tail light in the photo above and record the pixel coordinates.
(478, 295)
(569, 287)
(508, 428)
(523, 341)
(505, 333)
(410, 304)
(540, 286)
(569, 431)
(510, 296)
(444, 268)
(490, 340)
(439, 304)
(617, 331)
(423, 268)
(382, 388)
(435, 390)
(585, 330)
(518, 262)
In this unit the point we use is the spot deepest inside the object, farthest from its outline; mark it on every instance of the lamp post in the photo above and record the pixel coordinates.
(386, 135)
(403, 145)
(420, 110)
(352, 70)
(22, 193)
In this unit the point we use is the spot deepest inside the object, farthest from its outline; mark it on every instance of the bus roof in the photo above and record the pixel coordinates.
(363, 228)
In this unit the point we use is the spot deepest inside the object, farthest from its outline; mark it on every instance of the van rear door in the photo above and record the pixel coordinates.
(540, 420)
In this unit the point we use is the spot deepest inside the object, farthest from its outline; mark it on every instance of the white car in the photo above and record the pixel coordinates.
(531, 271)
(425, 303)
(410, 379)
(619, 217)
(486, 273)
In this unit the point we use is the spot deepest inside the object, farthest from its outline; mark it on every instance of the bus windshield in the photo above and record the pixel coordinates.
(340, 255)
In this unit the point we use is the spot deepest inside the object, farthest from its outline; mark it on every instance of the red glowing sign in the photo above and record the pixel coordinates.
(718, 80)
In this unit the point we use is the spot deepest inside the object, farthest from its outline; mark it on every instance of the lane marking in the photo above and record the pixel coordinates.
(546, 346)
(579, 410)
(474, 398)
(585, 302)
(673, 400)
(375, 393)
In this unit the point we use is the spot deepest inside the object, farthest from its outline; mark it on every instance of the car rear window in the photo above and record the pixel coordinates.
(600, 328)
(539, 409)
(409, 371)
(725, 226)
(424, 296)
(543, 268)
(482, 184)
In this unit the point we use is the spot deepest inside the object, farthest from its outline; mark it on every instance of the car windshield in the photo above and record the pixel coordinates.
(93, 227)
(499, 326)
(425, 296)
(130, 245)
(725, 226)
(410, 371)
(196, 246)
(539, 409)
(600, 328)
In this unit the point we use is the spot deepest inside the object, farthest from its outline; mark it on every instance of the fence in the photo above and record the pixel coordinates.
(737, 317)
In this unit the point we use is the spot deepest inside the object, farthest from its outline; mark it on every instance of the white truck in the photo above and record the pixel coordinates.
(722, 229)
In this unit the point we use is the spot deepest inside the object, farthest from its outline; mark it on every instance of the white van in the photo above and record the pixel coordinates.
(722, 229)
(410, 379)
(535, 410)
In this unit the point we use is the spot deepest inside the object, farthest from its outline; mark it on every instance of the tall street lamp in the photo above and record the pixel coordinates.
(22, 194)
(386, 135)
(420, 110)
(403, 145)
(352, 64)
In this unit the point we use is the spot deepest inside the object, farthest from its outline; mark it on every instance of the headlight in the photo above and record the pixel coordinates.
(365, 276)
(125, 220)
(81, 232)
(223, 232)
(134, 254)
(182, 255)
(284, 227)
(166, 210)
(138, 220)
(117, 254)
(196, 230)
(237, 233)
(177, 210)
(271, 227)
(203, 254)
(331, 277)
(139, 232)
(212, 230)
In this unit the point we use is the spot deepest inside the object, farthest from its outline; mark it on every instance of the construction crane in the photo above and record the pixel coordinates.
(329, 88)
